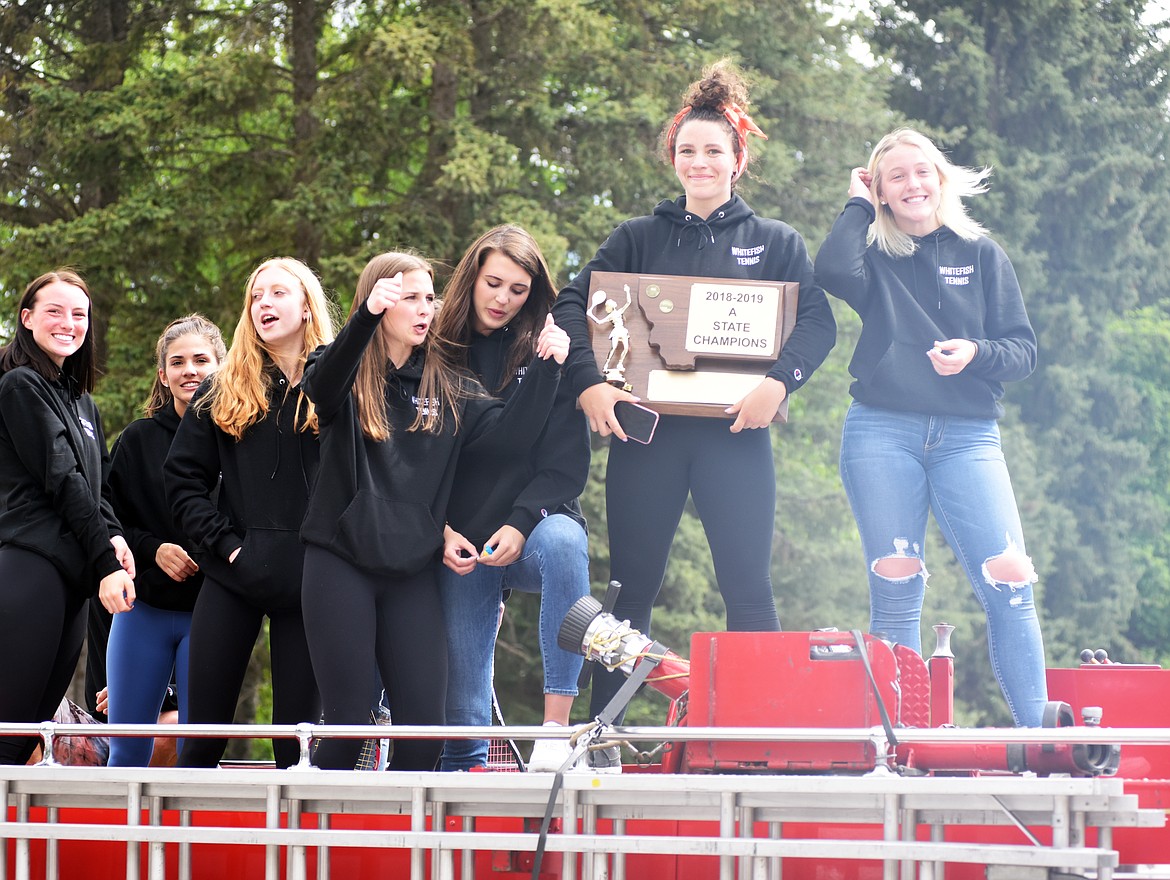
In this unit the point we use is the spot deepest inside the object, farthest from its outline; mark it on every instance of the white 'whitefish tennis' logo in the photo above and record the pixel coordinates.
(748, 256)
(956, 276)
(426, 406)
(87, 426)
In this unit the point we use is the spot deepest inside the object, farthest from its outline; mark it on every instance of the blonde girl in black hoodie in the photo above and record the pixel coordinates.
(253, 432)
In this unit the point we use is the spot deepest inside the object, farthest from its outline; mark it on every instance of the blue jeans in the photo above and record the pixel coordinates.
(896, 466)
(146, 646)
(555, 564)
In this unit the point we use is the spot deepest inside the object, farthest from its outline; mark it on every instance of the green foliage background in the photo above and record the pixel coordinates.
(164, 148)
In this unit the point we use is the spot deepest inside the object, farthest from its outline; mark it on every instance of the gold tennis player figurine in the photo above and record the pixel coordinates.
(619, 336)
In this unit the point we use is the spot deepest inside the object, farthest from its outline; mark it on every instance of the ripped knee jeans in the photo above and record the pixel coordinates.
(896, 468)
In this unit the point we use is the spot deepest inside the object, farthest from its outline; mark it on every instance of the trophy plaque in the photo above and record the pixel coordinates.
(687, 345)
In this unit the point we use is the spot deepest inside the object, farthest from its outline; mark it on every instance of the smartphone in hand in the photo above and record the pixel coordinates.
(636, 420)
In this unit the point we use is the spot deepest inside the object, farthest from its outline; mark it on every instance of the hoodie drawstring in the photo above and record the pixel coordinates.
(693, 222)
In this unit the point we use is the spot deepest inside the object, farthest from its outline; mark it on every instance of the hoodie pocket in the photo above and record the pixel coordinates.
(268, 568)
(387, 537)
(905, 372)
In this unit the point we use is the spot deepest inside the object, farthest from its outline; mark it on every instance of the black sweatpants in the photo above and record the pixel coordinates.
(42, 625)
(223, 632)
(732, 480)
(360, 624)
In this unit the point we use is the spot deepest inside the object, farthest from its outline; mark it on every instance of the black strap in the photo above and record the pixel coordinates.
(877, 695)
(650, 660)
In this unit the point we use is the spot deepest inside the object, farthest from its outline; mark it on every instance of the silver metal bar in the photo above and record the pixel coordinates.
(890, 833)
(467, 856)
(323, 823)
(185, 847)
(295, 866)
(963, 853)
(23, 803)
(570, 811)
(3, 833)
(418, 824)
(52, 852)
(272, 820)
(133, 817)
(157, 852)
(726, 830)
(303, 732)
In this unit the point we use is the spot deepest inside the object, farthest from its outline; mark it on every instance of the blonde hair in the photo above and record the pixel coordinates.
(955, 183)
(188, 325)
(441, 381)
(238, 398)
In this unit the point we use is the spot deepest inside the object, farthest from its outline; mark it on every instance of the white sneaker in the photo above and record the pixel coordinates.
(548, 755)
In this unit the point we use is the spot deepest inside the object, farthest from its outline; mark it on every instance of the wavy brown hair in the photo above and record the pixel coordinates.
(454, 323)
(442, 380)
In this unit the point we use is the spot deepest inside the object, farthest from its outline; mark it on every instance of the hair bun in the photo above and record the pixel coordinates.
(720, 85)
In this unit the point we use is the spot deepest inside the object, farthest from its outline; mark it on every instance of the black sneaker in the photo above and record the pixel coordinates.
(607, 760)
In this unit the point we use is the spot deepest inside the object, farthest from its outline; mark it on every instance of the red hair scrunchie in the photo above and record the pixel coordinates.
(740, 122)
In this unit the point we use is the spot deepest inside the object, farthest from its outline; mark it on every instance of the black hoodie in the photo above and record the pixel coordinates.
(731, 243)
(948, 288)
(381, 505)
(53, 465)
(263, 494)
(136, 488)
(519, 486)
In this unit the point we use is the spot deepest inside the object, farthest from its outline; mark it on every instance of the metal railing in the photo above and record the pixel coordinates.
(439, 810)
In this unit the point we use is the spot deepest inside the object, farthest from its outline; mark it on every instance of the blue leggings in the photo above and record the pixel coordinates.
(732, 480)
(146, 645)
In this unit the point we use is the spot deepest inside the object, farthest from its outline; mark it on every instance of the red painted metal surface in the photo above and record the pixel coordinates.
(1129, 696)
(792, 679)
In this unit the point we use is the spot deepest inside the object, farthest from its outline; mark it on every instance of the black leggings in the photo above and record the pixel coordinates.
(732, 480)
(42, 625)
(223, 632)
(360, 624)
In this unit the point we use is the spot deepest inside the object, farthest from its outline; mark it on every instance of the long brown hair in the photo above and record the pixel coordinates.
(23, 351)
(441, 382)
(239, 390)
(454, 323)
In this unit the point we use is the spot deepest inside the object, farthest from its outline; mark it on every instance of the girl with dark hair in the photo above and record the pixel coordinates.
(149, 645)
(943, 327)
(727, 469)
(251, 432)
(59, 538)
(514, 521)
(395, 413)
